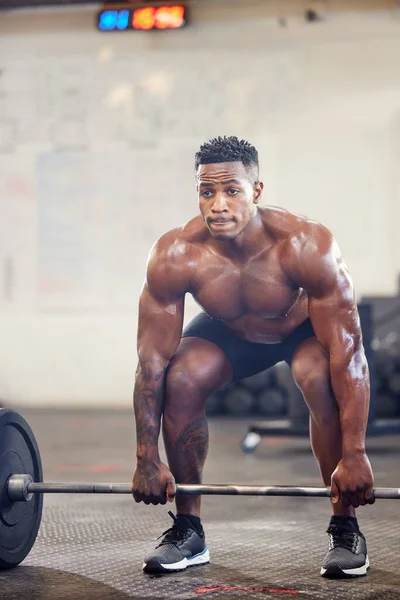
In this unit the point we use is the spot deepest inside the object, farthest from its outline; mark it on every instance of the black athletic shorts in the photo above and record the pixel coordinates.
(246, 358)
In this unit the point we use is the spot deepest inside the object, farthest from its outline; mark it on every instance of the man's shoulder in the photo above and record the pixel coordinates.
(309, 254)
(176, 244)
(169, 266)
(296, 229)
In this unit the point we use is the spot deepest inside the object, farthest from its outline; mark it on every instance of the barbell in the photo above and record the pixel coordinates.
(22, 489)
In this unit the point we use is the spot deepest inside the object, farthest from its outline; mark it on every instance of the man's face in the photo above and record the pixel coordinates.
(227, 198)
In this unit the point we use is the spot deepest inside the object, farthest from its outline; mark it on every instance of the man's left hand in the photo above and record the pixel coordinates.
(353, 482)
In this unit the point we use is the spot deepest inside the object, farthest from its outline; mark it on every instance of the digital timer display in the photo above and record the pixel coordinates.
(144, 19)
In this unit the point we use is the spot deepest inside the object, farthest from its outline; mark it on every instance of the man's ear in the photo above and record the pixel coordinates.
(258, 189)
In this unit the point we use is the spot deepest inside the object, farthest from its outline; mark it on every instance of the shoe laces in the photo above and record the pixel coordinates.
(175, 534)
(341, 537)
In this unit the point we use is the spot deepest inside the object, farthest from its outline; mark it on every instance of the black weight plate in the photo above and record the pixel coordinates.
(19, 521)
(238, 401)
(272, 403)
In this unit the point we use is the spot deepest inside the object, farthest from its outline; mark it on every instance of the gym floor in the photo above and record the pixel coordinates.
(92, 547)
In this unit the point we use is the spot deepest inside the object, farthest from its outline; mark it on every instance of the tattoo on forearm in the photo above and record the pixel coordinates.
(191, 450)
(148, 403)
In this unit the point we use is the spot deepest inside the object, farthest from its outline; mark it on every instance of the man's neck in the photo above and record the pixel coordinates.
(253, 240)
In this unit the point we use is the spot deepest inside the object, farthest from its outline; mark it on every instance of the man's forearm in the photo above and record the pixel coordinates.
(351, 387)
(148, 404)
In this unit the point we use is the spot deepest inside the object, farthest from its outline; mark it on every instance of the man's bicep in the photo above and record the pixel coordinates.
(160, 325)
(317, 266)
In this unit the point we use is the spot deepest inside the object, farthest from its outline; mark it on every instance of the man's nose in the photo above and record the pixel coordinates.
(220, 204)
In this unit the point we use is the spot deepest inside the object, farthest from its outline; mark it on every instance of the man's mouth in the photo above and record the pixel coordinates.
(219, 221)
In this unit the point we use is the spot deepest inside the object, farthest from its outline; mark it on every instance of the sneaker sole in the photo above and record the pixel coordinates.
(335, 572)
(155, 566)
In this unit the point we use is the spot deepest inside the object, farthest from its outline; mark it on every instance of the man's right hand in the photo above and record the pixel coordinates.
(153, 483)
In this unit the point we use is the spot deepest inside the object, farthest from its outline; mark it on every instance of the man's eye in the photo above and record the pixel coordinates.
(233, 192)
(206, 193)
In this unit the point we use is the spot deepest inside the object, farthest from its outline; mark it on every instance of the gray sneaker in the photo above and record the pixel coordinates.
(347, 555)
(182, 546)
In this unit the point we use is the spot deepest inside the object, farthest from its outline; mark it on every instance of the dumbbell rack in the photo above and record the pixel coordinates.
(288, 428)
(297, 425)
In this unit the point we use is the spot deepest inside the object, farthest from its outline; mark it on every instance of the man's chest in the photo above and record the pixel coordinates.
(228, 290)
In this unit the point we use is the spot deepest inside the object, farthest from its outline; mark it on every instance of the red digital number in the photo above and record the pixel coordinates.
(169, 17)
(144, 18)
(164, 17)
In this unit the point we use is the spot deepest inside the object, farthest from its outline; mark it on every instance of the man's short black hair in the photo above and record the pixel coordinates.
(228, 149)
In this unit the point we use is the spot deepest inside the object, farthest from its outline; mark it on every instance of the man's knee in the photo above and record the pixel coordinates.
(310, 367)
(311, 372)
(195, 372)
(184, 382)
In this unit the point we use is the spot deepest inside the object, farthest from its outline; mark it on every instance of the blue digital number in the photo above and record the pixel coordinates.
(123, 19)
(108, 20)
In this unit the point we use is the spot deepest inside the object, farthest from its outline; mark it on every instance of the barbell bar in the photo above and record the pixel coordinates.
(21, 487)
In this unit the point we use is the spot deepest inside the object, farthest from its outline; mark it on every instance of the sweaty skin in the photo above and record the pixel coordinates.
(262, 271)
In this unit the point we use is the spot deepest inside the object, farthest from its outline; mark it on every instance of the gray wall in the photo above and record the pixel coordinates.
(97, 138)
